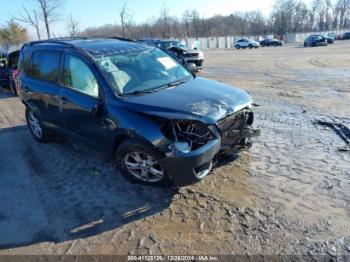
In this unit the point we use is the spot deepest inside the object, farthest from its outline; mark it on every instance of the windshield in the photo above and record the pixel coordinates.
(168, 44)
(142, 71)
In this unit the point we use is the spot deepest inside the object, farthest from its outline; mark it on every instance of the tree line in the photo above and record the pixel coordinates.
(287, 16)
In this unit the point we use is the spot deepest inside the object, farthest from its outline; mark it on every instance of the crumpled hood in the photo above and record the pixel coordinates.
(188, 50)
(199, 99)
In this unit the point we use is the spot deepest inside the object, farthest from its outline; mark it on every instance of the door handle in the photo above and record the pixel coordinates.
(62, 99)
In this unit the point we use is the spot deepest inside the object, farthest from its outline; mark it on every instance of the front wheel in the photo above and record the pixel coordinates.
(140, 164)
(238, 46)
(250, 46)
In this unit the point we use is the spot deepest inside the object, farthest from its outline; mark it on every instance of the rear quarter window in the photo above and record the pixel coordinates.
(45, 65)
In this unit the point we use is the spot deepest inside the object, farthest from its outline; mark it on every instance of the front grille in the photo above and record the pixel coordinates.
(191, 55)
(232, 122)
(231, 128)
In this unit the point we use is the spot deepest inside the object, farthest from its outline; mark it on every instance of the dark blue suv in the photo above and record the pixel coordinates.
(162, 124)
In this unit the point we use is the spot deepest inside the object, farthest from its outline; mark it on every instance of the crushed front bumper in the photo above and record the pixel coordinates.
(184, 168)
(233, 133)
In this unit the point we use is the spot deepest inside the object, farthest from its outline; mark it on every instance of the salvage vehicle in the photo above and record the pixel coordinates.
(345, 36)
(244, 43)
(180, 52)
(162, 124)
(12, 70)
(3, 69)
(330, 39)
(315, 40)
(271, 42)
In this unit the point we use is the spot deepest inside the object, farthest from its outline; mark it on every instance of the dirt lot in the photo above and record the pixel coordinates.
(289, 194)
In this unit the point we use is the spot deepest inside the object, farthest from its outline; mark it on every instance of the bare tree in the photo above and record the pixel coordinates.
(30, 18)
(125, 18)
(344, 9)
(50, 12)
(73, 27)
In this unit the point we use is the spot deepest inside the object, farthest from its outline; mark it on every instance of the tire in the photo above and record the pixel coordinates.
(238, 47)
(131, 157)
(36, 128)
(250, 46)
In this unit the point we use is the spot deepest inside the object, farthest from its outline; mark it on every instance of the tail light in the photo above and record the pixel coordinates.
(15, 73)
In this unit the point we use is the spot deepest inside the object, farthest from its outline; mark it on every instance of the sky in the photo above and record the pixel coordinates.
(100, 12)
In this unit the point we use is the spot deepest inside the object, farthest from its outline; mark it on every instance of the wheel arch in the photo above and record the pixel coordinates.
(130, 135)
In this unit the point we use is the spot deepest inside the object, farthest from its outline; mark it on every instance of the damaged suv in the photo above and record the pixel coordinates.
(162, 124)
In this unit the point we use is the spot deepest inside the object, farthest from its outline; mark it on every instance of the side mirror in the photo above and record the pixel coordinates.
(97, 109)
(191, 67)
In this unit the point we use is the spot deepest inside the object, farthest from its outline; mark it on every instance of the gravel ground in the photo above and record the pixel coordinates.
(288, 194)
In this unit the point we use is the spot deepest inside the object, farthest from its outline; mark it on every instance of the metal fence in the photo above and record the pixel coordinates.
(229, 41)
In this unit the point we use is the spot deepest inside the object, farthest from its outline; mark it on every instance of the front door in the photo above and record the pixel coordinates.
(79, 98)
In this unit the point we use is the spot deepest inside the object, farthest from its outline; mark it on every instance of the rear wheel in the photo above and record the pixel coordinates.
(35, 126)
(140, 164)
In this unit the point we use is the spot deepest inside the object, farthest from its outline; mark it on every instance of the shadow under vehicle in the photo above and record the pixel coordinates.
(163, 124)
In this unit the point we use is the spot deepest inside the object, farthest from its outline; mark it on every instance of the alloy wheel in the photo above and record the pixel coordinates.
(144, 167)
(34, 125)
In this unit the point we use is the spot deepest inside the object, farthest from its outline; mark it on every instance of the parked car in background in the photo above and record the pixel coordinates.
(180, 52)
(162, 124)
(346, 36)
(330, 38)
(12, 70)
(315, 40)
(3, 69)
(271, 42)
(246, 43)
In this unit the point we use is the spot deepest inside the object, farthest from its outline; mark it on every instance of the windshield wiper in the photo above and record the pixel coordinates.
(153, 90)
(138, 92)
(176, 83)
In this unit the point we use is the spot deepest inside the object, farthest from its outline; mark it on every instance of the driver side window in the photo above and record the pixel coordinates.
(78, 76)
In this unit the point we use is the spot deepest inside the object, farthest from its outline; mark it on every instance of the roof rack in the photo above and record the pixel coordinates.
(60, 41)
(121, 38)
(49, 41)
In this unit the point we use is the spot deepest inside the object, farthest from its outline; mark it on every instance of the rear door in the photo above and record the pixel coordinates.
(80, 97)
(41, 85)
(245, 43)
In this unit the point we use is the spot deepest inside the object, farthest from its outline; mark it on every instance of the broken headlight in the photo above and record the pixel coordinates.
(188, 135)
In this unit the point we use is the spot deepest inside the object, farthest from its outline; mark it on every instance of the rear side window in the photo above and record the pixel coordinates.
(45, 66)
(24, 61)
